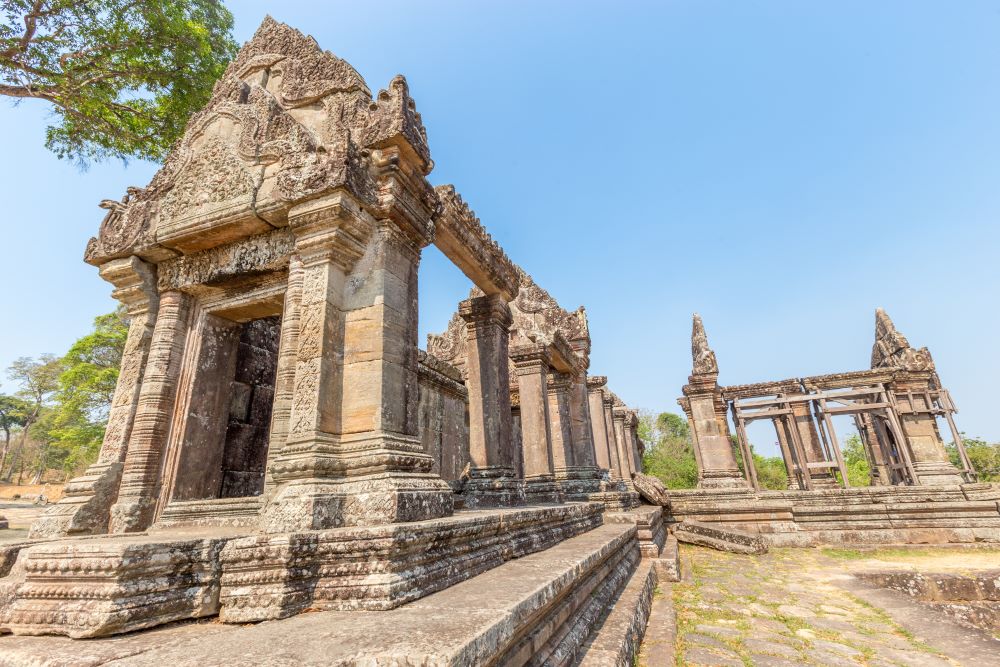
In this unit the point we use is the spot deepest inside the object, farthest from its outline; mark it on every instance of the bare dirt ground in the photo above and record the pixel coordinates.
(804, 607)
(20, 514)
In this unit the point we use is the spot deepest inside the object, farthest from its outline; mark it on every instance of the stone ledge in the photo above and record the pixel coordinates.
(543, 595)
(382, 567)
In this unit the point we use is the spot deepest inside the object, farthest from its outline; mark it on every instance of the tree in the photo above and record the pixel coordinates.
(858, 470)
(771, 471)
(75, 428)
(13, 412)
(984, 457)
(123, 76)
(669, 453)
(37, 380)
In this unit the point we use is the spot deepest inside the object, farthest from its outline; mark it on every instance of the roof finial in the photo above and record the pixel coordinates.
(702, 356)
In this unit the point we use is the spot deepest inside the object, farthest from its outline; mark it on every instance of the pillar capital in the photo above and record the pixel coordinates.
(486, 310)
(333, 228)
(530, 358)
(134, 281)
(596, 383)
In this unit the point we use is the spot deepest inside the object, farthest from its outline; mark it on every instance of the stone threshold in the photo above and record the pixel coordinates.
(532, 610)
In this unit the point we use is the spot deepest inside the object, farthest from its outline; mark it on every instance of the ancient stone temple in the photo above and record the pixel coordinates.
(568, 443)
(897, 407)
(277, 441)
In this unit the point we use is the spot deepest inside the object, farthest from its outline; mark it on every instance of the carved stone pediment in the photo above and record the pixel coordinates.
(286, 122)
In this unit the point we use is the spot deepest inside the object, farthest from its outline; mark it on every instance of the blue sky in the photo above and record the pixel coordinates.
(783, 168)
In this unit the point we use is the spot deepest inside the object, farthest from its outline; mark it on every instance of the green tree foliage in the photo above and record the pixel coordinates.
(858, 470)
(123, 76)
(74, 427)
(37, 381)
(669, 452)
(771, 472)
(984, 457)
(13, 414)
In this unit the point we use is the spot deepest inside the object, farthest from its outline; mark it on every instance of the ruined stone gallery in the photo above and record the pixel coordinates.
(280, 443)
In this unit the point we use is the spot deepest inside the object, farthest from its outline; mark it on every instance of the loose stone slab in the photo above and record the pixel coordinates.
(717, 537)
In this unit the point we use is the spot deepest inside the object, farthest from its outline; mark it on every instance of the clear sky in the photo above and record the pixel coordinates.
(783, 168)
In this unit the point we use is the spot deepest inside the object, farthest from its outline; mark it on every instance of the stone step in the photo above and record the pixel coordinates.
(615, 641)
(718, 537)
(535, 610)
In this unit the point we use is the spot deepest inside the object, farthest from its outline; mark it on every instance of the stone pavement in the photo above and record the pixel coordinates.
(20, 514)
(800, 607)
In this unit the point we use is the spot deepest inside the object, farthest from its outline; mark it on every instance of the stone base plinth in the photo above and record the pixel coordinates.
(542, 489)
(615, 500)
(115, 584)
(493, 487)
(578, 483)
(381, 567)
(936, 473)
(86, 506)
(383, 498)
(91, 588)
(723, 480)
(871, 515)
(583, 602)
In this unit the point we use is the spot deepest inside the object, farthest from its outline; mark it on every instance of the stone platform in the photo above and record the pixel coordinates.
(582, 601)
(944, 514)
(101, 586)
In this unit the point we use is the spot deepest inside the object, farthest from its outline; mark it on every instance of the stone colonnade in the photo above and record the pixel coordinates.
(895, 407)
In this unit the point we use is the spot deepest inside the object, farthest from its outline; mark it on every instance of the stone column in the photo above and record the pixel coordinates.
(706, 413)
(599, 427)
(785, 445)
(813, 446)
(284, 382)
(140, 486)
(632, 439)
(353, 454)
(619, 470)
(85, 508)
(619, 415)
(930, 458)
(584, 454)
(531, 365)
(492, 481)
(718, 467)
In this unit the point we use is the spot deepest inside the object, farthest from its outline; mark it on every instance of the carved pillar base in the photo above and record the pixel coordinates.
(495, 486)
(539, 489)
(85, 508)
(578, 482)
(936, 473)
(722, 479)
(387, 480)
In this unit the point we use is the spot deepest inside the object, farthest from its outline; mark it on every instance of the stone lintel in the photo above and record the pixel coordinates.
(464, 240)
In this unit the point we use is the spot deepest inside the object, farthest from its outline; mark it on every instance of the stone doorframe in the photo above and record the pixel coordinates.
(213, 311)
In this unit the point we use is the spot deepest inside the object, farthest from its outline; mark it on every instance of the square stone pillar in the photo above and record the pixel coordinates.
(353, 455)
(85, 509)
(930, 458)
(813, 446)
(572, 441)
(619, 416)
(140, 486)
(531, 365)
(619, 469)
(598, 425)
(705, 410)
(492, 478)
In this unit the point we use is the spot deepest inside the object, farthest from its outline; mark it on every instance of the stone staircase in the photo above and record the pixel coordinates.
(582, 600)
